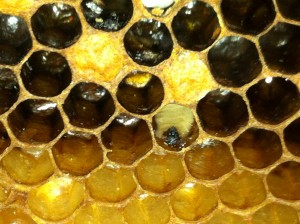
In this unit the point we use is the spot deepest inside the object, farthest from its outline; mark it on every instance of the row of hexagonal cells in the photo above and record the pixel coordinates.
(158, 173)
(191, 201)
(149, 42)
(89, 105)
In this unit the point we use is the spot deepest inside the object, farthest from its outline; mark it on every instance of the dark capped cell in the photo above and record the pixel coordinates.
(89, 105)
(234, 61)
(175, 127)
(148, 42)
(36, 121)
(292, 137)
(9, 89)
(140, 92)
(196, 26)
(77, 153)
(274, 99)
(281, 48)
(4, 139)
(46, 73)
(56, 25)
(248, 16)
(257, 148)
(15, 39)
(289, 8)
(222, 112)
(107, 15)
(128, 138)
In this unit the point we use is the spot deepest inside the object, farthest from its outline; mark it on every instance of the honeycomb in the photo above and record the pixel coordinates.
(149, 112)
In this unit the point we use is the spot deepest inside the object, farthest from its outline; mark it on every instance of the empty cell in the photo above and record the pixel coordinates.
(89, 105)
(36, 121)
(234, 61)
(128, 139)
(196, 26)
(77, 153)
(257, 148)
(140, 92)
(280, 48)
(273, 100)
(222, 112)
(284, 181)
(56, 25)
(107, 15)
(148, 42)
(209, 160)
(248, 16)
(46, 73)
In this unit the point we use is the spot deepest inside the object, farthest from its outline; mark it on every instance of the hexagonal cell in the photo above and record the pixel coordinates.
(121, 184)
(148, 42)
(160, 173)
(281, 48)
(284, 181)
(242, 190)
(4, 139)
(257, 148)
(140, 92)
(28, 167)
(273, 100)
(193, 201)
(127, 138)
(234, 61)
(248, 16)
(226, 218)
(196, 26)
(15, 39)
(222, 112)
(9, 89)
(89, 105)
(175, 127)
(15, 215)
(56, 199)
(275, 213)
(203, 160)
(36, 121)
(77, 153)
(289, 8)
(107, 15)
(94, 213)
(291, 137)
(56, 25)
(147, 209)
(46, 73)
